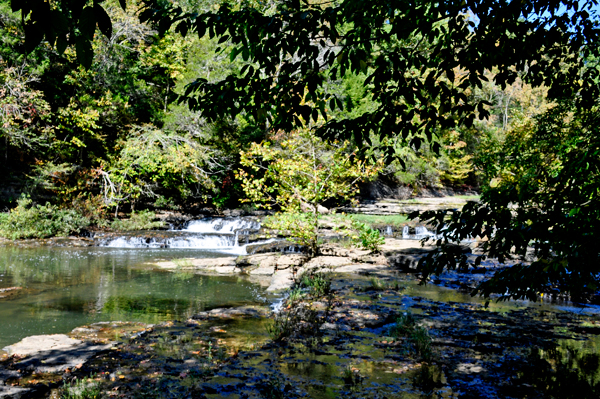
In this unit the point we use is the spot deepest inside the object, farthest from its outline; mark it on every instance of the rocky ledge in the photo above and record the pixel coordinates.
(402, 255)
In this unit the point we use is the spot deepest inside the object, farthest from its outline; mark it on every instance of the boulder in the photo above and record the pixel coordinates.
(287, 261)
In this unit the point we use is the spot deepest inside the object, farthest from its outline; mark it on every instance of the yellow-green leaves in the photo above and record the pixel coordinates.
(298, 173)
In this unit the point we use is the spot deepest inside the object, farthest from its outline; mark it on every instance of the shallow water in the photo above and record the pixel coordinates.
(63, 288)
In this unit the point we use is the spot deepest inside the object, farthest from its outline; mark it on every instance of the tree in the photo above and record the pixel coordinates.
(410, 52)
(541, 210)
(298, 174)
(156, 164)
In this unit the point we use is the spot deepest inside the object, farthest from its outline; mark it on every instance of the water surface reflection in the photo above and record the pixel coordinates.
(63, 288)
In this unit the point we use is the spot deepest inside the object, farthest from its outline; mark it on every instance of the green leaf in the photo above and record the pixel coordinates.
(59, 21)
(87, 23)
(104, 22)
(85, 54)
(61, 43)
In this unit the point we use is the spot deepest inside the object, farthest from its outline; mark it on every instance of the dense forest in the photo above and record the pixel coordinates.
(114, 137)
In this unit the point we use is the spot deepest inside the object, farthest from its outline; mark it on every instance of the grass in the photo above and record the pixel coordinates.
(382, 285)
(182, 262)
(376, 220)
(418, 339)
(85, 388)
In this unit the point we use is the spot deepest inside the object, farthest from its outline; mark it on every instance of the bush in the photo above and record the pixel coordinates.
(368, 237)
(40, 221)
(143, 220)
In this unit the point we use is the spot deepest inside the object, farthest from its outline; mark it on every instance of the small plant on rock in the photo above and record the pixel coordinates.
(84, 388)
(418, 339)
(299, 317)
(351, 376)
(367, 237)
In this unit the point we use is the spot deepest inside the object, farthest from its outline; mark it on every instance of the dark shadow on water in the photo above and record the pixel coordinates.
(570, 369)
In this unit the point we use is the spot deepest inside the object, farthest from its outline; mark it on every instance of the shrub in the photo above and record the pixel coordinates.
(368, 237)
(361, 234)
(40, 221)
(143, 220)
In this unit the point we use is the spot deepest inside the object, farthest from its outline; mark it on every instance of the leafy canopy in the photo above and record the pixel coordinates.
(299, 173)
(419, 58)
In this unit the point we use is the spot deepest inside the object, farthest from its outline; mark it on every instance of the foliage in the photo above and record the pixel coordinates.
(298, 226)
(419, 60)
(152, 159)
(40, 221)
(298, 174)
(318, 283)
(66, 129)
(64, 23)
(368, 237)
(541, 208)
(143, 220)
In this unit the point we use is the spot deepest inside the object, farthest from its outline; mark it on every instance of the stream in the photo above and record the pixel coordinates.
(482, 351)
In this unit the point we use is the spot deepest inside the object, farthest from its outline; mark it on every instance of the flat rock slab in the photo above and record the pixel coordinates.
(11, 392)
(281, 280)
(201, 263)
(54, 353)
(37, 343)
(241, 311)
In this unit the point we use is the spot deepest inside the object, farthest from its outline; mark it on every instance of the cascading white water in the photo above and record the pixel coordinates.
(210, 234)
(420, 233)
(222, 226)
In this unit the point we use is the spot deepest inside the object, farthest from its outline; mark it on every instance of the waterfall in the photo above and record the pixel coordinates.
(220, 234)
(420, 233)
